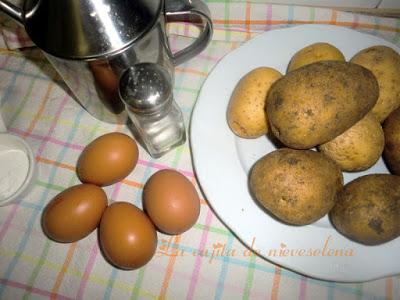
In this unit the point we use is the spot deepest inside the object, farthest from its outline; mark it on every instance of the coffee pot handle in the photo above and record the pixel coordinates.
(190, 10)
(12, 11)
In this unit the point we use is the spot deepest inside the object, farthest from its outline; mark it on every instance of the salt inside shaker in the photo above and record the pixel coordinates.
(146, 90)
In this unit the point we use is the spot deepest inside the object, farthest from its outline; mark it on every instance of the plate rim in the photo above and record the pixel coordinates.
(231, 227)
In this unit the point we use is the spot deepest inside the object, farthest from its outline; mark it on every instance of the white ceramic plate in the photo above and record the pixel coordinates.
(222, 162)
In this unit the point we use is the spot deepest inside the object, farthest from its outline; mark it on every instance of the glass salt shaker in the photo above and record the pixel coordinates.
(146, 90)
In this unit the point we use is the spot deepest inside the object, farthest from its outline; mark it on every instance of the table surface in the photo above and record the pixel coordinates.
(37, 106)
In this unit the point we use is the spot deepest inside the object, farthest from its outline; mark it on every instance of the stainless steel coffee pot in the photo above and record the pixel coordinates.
(92, 42)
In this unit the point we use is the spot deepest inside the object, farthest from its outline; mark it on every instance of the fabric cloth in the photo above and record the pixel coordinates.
(37, 106)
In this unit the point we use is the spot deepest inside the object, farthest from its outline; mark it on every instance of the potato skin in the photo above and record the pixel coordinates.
(314, 104)
(384, 63)
(359, 147)
(391, 153)
(297, 186)
(368, 209)
(313, 53)
(246, 110)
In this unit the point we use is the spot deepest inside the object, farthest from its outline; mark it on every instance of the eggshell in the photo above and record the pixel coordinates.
(108, 159)
(128, 239)
(74, 213)
(171, 201)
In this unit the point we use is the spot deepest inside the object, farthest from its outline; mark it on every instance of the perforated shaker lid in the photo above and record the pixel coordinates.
(146, 88)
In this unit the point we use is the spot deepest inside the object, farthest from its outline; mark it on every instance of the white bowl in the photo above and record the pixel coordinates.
(17, 168)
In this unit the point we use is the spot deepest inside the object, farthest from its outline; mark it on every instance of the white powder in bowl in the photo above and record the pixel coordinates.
(14, 167)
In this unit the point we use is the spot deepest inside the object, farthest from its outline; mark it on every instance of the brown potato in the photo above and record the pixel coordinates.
(313, 53)
(368, 209)
(391, 153)
(246, 110)
(316, 103)
(384, 63)
(359, 147)
(297, 186)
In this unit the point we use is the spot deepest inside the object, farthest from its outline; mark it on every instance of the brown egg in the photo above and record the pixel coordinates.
(74, 213)
(128, 239)
(171, 201)
(108, 159)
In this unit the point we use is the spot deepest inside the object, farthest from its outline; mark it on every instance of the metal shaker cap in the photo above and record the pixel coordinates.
(146, 88)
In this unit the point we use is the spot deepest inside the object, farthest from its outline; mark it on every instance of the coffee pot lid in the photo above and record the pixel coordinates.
(85, 29)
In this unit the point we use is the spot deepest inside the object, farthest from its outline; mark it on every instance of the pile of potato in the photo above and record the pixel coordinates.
(339, 108)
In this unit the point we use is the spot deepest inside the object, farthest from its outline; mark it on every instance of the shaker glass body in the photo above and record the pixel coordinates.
(161, 131)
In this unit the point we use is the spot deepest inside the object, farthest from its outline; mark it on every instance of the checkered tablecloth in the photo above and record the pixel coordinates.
(37, 106)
